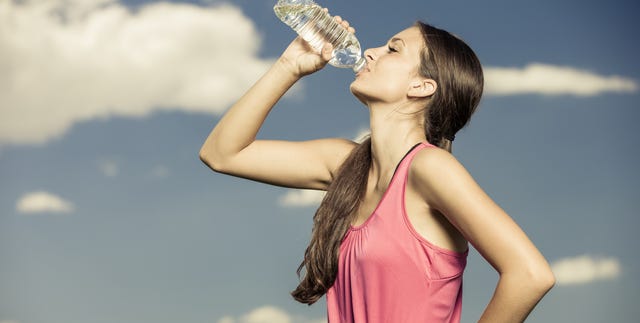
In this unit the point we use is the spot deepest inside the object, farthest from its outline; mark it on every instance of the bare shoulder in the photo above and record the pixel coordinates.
(338, 149)
(337, 145)
(433, 161)
(435, 170)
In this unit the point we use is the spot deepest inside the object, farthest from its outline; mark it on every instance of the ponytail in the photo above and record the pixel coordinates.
(330, 224)
(456, 69)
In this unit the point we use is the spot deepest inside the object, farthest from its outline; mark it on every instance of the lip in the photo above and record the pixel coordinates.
(364, 70)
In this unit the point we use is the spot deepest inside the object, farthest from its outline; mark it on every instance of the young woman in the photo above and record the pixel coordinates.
(390, 239)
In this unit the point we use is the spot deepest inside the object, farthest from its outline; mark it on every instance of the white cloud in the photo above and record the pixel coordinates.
(301, 198)
(160, 171)
(268, 314)
(545, 79)
(362, 135)
(585, 269)
(67, 61)
(109, 168)
(41, 201)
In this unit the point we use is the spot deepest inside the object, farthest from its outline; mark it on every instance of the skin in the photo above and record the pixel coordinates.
(443, 202)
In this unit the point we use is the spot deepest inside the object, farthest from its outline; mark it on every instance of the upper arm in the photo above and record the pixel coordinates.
(301, 164)
(447, 186)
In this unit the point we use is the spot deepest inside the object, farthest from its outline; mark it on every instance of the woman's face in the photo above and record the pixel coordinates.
(391, 69)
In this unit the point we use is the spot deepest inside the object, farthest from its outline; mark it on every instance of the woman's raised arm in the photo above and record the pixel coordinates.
(232, 148)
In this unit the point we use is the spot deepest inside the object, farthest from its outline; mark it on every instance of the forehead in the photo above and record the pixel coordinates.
(411, 36)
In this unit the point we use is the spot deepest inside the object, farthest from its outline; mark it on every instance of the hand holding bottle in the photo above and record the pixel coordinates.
(301, 59)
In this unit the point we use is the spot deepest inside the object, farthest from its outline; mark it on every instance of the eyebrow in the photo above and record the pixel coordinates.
(395, 39)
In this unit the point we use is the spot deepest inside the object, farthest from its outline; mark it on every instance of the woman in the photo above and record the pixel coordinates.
(389, 241)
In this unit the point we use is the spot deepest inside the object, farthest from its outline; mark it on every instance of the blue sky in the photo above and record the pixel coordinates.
(107, 214)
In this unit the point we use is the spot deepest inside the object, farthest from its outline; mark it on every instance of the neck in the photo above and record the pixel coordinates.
(393, 133)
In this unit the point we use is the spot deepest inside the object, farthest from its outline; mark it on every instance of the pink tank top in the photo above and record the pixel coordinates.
(388, 273)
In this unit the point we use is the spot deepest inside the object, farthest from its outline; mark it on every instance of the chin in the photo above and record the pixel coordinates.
(356, 90)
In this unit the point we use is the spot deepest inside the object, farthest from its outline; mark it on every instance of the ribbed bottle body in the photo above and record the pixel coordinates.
(317, 27)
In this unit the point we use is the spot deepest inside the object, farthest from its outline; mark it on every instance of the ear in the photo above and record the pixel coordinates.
(422, 88)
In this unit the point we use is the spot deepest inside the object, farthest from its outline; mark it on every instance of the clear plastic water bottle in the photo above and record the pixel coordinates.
(317, 27)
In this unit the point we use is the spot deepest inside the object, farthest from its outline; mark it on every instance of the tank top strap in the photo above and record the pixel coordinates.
(393, 201)
(404, 164)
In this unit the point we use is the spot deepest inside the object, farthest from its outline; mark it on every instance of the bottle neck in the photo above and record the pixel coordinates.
(359, 65)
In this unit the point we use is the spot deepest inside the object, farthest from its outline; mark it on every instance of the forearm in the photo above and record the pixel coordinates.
(514, 298)
(241, 123)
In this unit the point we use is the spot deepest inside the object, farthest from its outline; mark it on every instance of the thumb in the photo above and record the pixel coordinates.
(327, 51)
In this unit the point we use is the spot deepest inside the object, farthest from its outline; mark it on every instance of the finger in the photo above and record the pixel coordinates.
(338, 19)
(352, 30)
(343, 23)
(326, 52)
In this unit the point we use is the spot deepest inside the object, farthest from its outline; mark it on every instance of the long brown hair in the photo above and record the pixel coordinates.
(457, 71)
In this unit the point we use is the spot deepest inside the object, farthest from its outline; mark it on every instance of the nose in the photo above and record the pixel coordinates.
(369, 55)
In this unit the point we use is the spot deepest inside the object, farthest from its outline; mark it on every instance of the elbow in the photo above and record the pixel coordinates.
(534, 280)
(547, 280)
(210, 159)
(542, 279)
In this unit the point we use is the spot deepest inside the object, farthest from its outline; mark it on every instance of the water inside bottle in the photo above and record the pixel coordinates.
(316, 27)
